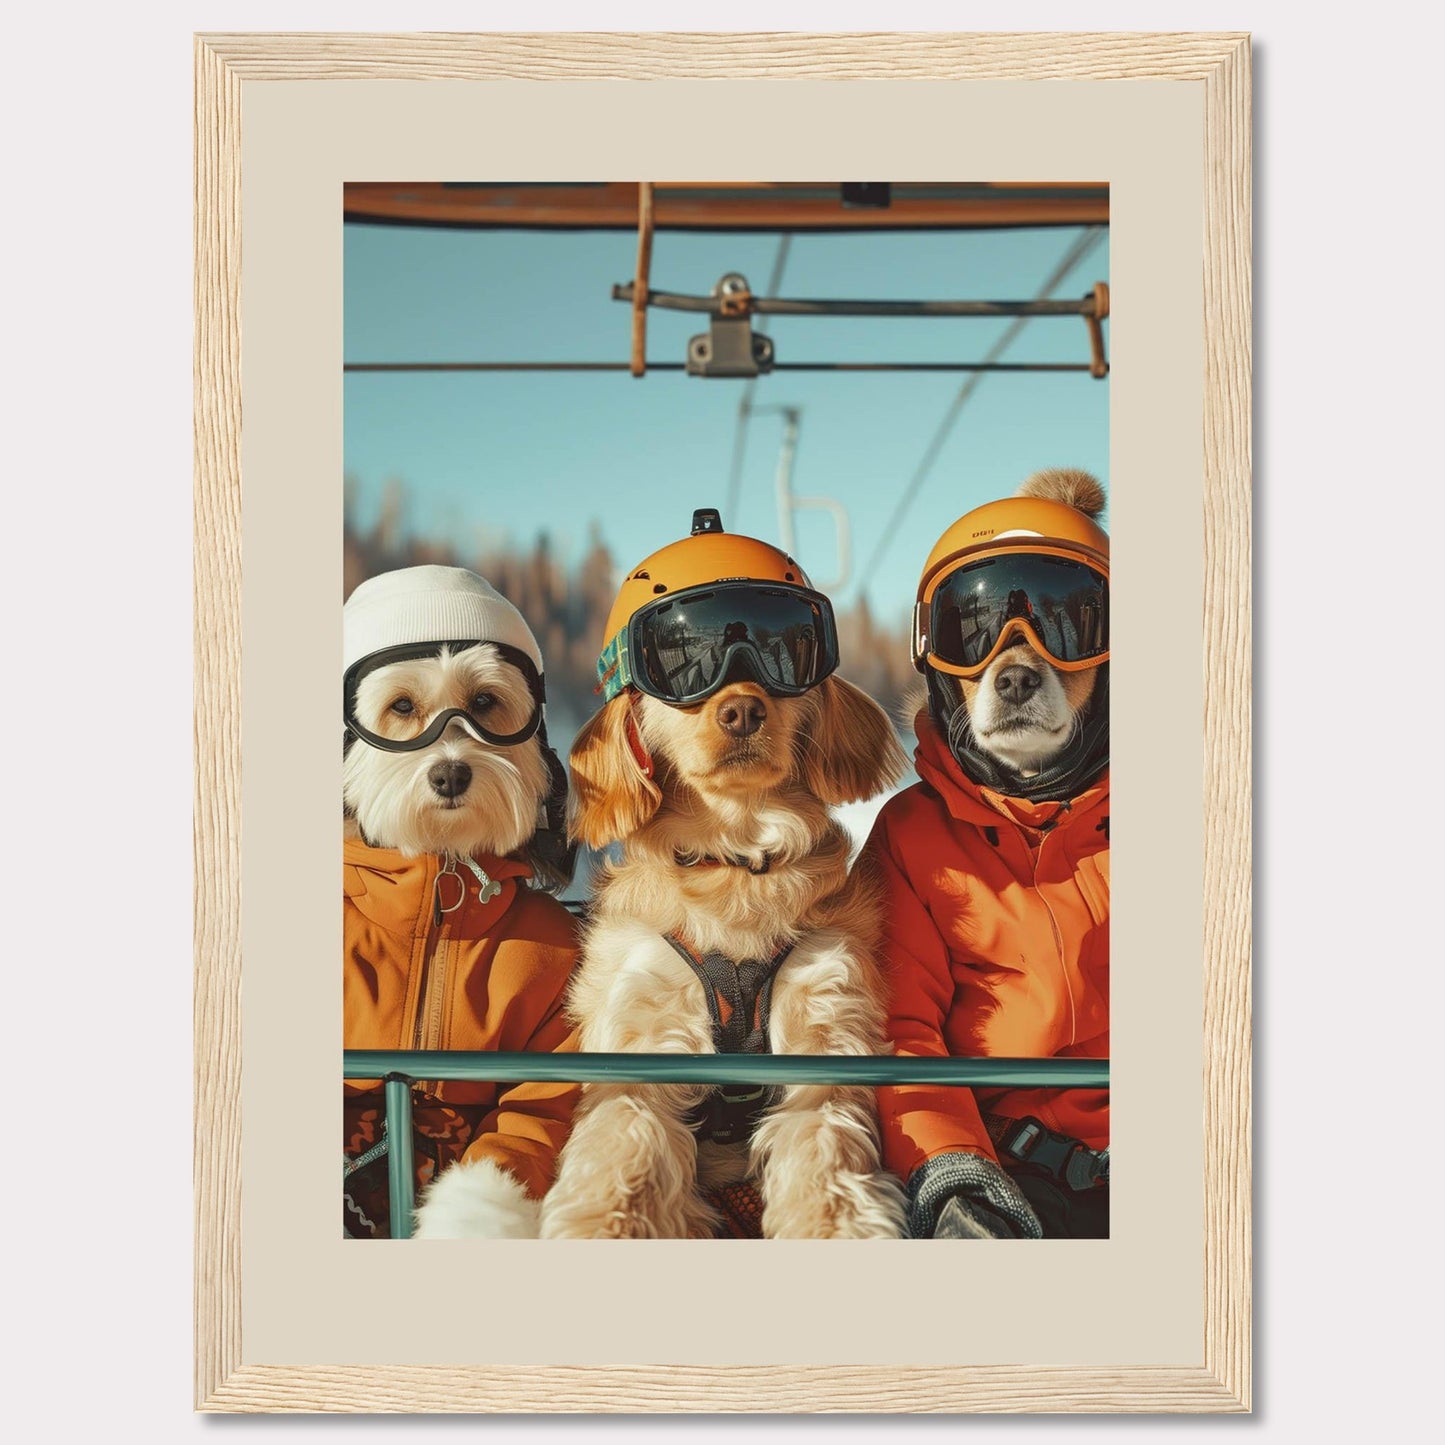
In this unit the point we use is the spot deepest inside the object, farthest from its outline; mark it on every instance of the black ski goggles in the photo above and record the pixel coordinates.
(684, 647)
(1059, 604)
(471, 721)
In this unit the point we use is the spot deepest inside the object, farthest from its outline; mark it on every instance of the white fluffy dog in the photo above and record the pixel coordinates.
(460, 795)
(452, 800)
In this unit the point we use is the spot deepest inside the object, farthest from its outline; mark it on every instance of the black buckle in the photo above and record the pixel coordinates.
(730, 1112)
(1067, 1159)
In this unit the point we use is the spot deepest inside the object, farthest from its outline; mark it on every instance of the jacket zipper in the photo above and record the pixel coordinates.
(426, 1027)
(432, 992)
(1035, 858)
(430, 996)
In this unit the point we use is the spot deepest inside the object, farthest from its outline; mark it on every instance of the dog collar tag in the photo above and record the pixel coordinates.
(487, 886)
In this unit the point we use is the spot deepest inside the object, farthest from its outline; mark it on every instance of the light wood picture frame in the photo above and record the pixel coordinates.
(1214, 70)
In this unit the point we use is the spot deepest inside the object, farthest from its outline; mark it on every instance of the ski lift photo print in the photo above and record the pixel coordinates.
(718, 573)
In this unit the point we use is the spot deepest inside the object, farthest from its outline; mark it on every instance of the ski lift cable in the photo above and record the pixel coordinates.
(1093, 308)
(372, 367)
(764, 306)
(732, 305)
(732, 346)
(745, 405)
(1078, 250)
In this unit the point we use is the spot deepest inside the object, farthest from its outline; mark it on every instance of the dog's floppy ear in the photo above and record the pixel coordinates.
(611, 796)
(851, 751)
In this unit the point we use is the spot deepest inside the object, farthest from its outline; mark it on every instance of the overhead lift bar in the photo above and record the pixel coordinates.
(731, 348)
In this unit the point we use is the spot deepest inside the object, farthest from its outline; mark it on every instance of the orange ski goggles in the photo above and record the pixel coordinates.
(1056, 602)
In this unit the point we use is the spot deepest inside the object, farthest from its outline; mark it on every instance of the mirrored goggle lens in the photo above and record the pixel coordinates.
(683, 647)
(1065, 603)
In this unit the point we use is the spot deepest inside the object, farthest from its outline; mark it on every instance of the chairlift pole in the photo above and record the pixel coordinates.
(784, 480)
(789, 504)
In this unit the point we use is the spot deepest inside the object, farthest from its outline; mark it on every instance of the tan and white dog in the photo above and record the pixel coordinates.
(1021, 710)
(729, 853)
(996, 868)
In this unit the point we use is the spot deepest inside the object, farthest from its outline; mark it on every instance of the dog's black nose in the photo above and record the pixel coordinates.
(449, 779)
(741, 715)
(1017, 684)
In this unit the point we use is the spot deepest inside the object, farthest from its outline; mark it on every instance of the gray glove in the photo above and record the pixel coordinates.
(965, 1196)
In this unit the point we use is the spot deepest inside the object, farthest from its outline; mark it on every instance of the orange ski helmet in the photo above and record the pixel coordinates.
(687, 616)
(1021, 567)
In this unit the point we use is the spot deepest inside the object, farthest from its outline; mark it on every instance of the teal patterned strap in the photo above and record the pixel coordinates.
(613, 672)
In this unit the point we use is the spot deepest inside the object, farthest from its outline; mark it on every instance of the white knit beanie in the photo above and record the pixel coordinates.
(415, 605)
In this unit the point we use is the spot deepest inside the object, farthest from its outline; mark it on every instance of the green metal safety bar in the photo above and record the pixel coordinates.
(399, 1069)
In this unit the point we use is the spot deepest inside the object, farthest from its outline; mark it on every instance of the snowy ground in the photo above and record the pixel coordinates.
(858, 818)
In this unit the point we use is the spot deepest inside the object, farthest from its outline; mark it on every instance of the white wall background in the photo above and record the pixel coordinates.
(96, 444)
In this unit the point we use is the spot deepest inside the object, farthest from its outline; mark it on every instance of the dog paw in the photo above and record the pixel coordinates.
(628, 1172)
(845, 1206)
(476, 1200)
(631, 1218)
(620, 1209)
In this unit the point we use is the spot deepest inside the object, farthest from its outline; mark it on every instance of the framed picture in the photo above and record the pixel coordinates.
(319, 158)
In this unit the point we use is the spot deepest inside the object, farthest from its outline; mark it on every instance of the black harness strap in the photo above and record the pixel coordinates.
(730, 1112)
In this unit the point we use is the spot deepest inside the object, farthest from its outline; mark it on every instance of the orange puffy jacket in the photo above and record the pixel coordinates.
(996, 943)
(490, 976)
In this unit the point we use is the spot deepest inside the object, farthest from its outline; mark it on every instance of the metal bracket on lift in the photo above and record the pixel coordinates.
(731, 347)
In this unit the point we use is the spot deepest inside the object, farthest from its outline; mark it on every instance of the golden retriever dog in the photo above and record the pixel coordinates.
(729, 855)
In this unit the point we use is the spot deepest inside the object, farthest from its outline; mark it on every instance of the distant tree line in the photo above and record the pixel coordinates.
(567, 610)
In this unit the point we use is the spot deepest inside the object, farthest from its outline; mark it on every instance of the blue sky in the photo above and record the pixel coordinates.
(493, 456)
